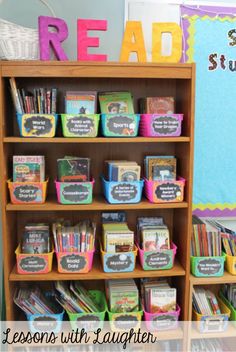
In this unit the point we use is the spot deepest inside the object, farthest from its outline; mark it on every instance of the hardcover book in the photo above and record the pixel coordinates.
(77, 102)
(73, 169)
(116, 103)
(28, 168)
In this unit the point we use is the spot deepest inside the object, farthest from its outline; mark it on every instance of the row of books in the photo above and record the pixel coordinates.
(77, 238)
(205, 302)
(160, 168)
(42, 100)
(158, 295)
(122, 170)
(209, 236)
(206, 238)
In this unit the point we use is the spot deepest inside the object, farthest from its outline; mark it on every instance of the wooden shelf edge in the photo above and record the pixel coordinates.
(98, 204)
(226, 278)
(97, 273)
(230, 332)
(97, 140)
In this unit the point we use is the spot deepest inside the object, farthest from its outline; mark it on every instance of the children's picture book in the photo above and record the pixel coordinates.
(157, 105)
(160, 168)
(116, 103)
(125, 172)
(73, 169)
(28, 168)
(123, 295)
(155, 239)
(205, 301)
(117, 237)
(109, 217)
(36, 239)
(78, 102)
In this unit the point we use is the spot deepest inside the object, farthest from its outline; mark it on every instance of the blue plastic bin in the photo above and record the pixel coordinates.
(37, 125)
(120, 125)
(122, 192)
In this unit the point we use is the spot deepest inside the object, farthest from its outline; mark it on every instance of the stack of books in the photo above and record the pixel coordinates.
(153, 234)
(74, 297)
(122, 170)
(73, 169)
(28, 168)
(205, 302)
(160, 168)
(77, 102)
(116, 103)
(33, 301)
(158, 296)
(157, 105)
(78, 238)
(117, 237)
(35, 239)
(229, 291)
(206, 238)
(123, 295)
(42, 101)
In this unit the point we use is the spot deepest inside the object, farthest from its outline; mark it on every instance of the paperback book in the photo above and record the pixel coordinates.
(35, 239)
(28, 168)
(73, 169)
(116, 103)
(77, 102)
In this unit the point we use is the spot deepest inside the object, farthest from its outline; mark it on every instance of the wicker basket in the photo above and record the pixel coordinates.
(18, 42)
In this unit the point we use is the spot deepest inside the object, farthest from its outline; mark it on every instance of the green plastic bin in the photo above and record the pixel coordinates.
(229, 305)
(208, 266)
(81, 125)
(90, 321)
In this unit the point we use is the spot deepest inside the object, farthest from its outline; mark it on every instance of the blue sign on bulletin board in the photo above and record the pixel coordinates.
(209, 41)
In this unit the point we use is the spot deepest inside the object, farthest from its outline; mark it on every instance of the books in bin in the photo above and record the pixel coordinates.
(28, 168)
(73, 169)
(157, 105)
(160, 168)
(35, 239)
(153, 234)
(116, 103)
(78, 102)
(159, 297)
(205, 301)
(117, 237)
(123, 295)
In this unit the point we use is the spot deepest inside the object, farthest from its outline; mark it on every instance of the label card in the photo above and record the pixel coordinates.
(168, 192)
(210, 266)
(158, 260)
(27, 193)
(166, 126)
(121, 125)
(76, 193)
(32, 264)
(72, 263)
(119, 262)
(80, 126)
(38, 125)
(124, 192)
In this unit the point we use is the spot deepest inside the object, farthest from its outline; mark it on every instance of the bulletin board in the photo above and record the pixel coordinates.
(208, 40)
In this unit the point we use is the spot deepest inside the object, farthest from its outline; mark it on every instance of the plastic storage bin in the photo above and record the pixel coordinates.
(229, 305)
(33, 263)
(213, 323)
(231, 264)
(125, 321)
(120, 125)
(165, 191)
(74, 192)
(45, 322)
(81, 125)
(118, 262)
(37, 125)
(27, 192)
(162, 321)
(75, 262)
(157, 260)
(207, 266)
(160, 125)
(90, 321)
(122, 192)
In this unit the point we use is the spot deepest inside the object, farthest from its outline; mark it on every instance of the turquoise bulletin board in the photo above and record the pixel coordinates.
(209, 34)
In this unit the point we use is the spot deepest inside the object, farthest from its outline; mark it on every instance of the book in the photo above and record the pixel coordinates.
(77, 102)
(123, 295)
(15, 96)
(116, 103)
(117, 237)
(125, 172)
(111, 170)
(160, 168)
(108, 217)
(205, 302)
(73, 169)
(155, 238)
(35, 239)
(157, 105)
(28, 168)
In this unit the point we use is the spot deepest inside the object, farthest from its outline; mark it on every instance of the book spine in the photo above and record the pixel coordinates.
(54, 101)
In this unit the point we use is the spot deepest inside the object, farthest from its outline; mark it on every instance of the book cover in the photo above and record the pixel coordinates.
(36, 239)
(73, 169)
(162, 300)
(160, 105)
(28, 168)
(125, 173)
(77, 102)
(116, 103)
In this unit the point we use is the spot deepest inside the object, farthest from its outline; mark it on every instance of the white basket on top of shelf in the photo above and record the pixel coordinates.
(18, 42)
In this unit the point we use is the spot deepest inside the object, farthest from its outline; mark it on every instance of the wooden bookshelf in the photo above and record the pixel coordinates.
(142, 80)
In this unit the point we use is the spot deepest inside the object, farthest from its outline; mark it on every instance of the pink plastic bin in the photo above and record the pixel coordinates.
(157, 260)
(165, 191)
(75, 262)
(160, 125)
(162, 321)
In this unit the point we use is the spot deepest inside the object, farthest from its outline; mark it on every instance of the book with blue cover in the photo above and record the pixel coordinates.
(77, 102)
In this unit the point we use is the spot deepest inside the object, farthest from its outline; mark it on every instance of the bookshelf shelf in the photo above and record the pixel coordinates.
(98, 204)
(177, 80)
(226, 278)
(97, 140)
(97, 273)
